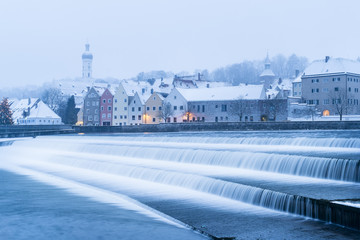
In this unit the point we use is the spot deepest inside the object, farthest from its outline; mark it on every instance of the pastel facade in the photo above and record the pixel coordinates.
(154, 108)
(106, 108)
(136, 110)
(92, 107)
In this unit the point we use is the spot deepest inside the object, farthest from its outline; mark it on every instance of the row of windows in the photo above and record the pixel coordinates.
(297, 84)
(336, 89)
(153, 108)
(133, 109)
(96, 118)
(297, 93)
(325, 80)
(333, 101)
(103, 116)
(104, 100)
(353, 80)
(120, 117)
(102, 108)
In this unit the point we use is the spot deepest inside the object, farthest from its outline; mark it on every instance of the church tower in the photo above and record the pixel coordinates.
(87, 58)
(267, 77)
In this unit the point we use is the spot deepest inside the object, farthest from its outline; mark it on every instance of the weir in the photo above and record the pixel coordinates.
(211, 163)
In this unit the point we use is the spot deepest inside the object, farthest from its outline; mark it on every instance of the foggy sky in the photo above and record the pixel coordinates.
(43, 40)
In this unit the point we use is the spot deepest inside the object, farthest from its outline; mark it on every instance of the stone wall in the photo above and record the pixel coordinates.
(234, 126)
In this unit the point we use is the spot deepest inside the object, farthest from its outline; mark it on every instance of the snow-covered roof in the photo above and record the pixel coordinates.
(41, 110)
(267, 72)
(333, 65)
(297, 80)
(242, 91)
(38, 109)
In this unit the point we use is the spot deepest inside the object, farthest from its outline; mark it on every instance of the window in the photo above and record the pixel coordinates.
(356, 89)
(133, 109)
(103, 116)
(203, 108)
(96, 118)
(252, 117)
(174, 97)
(88, 104)
(109, 108)
(125, 117)
(90, 118)
(125, 108)
(325, 90)
(121, 117)
(139, 117)
(336, 89)
(87, 111)
(96, 111)
(198, 108)
(147, 108)
(93, 103)
(216, 106)
(338, 79)
(109, 100)
(115, 100)
(153, 108)
(326, 101)
(109, 115)
(349, 89)
(139, 109)
(104, 101)
(317, 90)
(175, 107)
(153, 119)
(125, 100)
(134, 101)
(160, 108)
(115, 117)
(115, 109)
(133, 117)
(181, 107)
(223, 107)
(102, 108)
(175, 120)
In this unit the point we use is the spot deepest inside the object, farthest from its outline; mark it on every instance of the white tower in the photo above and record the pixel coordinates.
(87, 58)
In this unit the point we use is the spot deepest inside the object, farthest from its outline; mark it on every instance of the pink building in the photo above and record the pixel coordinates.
(106, 108)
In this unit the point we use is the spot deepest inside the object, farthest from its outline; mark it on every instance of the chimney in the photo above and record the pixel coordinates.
(327, 58)
(198, 76)
(29, 101)
(297, 72)
(88, 88)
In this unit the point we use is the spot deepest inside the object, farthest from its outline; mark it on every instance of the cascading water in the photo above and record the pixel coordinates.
(247, 168)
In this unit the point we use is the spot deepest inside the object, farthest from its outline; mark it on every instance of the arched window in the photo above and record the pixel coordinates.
(326, 113)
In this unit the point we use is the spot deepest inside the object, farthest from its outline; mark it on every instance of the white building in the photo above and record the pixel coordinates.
(33, 111)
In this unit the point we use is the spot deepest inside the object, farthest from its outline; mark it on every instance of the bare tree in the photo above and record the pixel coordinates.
(311, 111)
(339, 100)
(166, 111)
(53, 97)
(238, 107)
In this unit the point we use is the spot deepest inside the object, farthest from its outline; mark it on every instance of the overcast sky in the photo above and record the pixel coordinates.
(42, 40)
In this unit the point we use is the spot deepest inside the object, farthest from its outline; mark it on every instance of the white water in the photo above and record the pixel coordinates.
(205, 165)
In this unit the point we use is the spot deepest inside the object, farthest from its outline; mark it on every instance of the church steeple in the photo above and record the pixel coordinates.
(87, 58)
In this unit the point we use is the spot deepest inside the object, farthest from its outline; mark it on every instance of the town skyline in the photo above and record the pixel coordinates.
(42, 41)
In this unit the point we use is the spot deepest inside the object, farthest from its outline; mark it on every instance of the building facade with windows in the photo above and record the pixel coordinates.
(106, 108)
(136, 110)
(332, 85)
(92, 106)
(154, 111)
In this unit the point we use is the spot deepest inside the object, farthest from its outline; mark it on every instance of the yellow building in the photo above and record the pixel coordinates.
(154, 112)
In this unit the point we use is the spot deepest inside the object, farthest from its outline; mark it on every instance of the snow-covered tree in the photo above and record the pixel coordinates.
(166, 111)
(5, 113)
